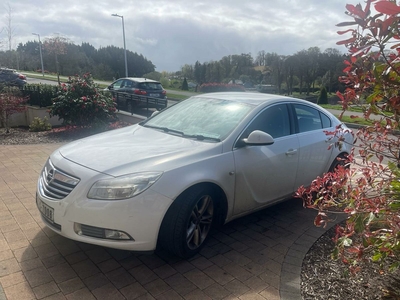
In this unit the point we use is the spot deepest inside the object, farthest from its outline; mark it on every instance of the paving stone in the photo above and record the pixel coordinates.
(82, 294)
(62, 272)
(217, 291)
(133, 291)
(72, 285)
(143, 274)
(46, 290)
(199, 278)
(19, 291)
(218, 274)
(180, 284)
(157, 287)
(85, 268)
(12, 279)
(38, 276)
(107, 292)
(9, 266)
(96, 281)
(120, 278)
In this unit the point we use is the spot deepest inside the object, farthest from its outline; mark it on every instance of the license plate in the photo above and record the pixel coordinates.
(45, 210)
(154, 95)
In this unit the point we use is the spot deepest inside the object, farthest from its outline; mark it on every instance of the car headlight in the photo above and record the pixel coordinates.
(123, 187)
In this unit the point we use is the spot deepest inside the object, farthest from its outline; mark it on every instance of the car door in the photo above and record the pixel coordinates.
(314, 152)
(265, 174)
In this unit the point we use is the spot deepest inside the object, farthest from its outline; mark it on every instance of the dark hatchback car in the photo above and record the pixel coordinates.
(139, 86)
(12, 77)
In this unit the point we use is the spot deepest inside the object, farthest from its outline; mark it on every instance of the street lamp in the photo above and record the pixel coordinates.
(40, 51)
(123, 34)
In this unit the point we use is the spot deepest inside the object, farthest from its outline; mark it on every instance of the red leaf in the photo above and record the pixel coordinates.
(318, 221)
(386, 7)
(343, 32)
(356, 10)
(348, 41)
(346, 24)
(353, 250)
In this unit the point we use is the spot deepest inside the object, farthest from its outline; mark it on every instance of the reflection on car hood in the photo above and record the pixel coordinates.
(134, 149)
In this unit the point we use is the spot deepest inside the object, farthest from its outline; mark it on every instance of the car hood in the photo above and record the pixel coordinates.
(134, 149)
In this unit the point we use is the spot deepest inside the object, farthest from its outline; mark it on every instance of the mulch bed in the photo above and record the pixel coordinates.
(324, 278)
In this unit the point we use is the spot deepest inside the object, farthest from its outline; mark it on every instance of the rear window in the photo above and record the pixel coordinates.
(150, 86)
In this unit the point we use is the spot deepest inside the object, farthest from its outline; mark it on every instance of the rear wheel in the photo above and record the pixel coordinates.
(340, 160)
(188, 222)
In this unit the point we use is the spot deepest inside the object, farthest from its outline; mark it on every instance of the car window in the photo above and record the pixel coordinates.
(150, 86)
(309, 118)
(117, 84)
(273, 120)
(213, 118)
(128, 84)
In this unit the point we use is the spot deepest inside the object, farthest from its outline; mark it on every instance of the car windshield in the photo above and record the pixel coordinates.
(200, 118)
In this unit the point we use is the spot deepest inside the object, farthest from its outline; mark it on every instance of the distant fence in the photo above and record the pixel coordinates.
(129, 102)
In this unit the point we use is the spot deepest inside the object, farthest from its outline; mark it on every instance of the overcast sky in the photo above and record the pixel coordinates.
(172, 33)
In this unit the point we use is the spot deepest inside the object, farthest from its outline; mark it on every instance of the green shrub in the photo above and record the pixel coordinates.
(41, 95)
(323, 96)
(80, 103)
(39, 124)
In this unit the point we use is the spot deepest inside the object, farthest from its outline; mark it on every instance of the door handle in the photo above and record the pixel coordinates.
(291, 152)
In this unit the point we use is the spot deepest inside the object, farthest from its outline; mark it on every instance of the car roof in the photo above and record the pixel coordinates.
(253, 98)
(140, 79)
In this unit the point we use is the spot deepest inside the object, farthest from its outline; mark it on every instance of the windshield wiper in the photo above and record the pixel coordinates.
(201, 137)
(198, 137)
(165, 129)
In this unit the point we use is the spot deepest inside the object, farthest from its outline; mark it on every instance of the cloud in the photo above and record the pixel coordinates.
(174, 33)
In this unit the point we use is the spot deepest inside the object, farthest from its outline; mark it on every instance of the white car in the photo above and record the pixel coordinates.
(165, 181)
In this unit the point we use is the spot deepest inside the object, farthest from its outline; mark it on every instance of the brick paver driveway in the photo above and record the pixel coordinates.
(255, 257)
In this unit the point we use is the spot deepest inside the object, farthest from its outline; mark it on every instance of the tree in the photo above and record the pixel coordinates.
(57, 46)
(11, 102)
(185, 86)
(368, 191)
(10, 30)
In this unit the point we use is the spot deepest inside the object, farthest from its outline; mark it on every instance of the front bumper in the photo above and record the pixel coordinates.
(138, 218)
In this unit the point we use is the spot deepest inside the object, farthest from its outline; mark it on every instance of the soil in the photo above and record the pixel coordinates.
(321, 277)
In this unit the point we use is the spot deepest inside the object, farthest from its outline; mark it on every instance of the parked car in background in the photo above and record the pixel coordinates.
(12, 77)
(140, 87)
(206, 160)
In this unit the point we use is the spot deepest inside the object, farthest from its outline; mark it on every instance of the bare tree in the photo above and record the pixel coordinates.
(10, 30)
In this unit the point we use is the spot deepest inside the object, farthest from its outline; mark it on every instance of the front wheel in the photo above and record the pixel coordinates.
(188, 222)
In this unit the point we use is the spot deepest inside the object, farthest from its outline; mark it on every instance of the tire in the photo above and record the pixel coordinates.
(188, 222)
(342, 161)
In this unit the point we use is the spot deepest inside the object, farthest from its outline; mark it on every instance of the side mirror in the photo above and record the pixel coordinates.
(258, 138)
(110, 87)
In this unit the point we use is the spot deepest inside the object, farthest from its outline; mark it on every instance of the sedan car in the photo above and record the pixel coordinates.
(204, 161)
(12, 77)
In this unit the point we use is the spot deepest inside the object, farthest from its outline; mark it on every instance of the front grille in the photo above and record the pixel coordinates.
(54, 183)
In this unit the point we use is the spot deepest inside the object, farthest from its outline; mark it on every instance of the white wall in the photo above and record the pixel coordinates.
(25, 118)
